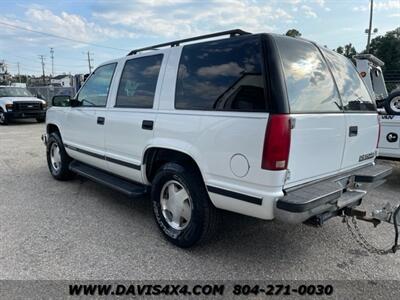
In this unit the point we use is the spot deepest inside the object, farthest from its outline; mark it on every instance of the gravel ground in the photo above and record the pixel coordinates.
(82, 230)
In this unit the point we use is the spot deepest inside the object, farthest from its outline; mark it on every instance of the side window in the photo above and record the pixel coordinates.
(355, 96)
(309, 83)
(221, 75)
(95, 91)
(138, 82)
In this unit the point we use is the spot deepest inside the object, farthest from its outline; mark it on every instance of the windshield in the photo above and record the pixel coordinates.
(10, 91)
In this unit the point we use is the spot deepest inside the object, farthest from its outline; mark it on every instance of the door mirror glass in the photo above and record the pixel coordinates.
(61, 101)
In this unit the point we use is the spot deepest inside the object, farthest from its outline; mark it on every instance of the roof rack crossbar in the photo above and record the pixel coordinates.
(231, 33)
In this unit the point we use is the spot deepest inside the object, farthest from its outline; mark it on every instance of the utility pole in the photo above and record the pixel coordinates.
(19, 76)
(89, 62)
(52, 61)
(42, 60)
(370, 24)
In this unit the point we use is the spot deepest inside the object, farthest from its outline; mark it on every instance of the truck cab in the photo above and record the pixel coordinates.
(20, 103)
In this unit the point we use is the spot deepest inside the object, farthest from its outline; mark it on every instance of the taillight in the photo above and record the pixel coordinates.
(276, 143)
(379, 132)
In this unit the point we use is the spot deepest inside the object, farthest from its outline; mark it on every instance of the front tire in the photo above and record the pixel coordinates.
(181, 205)
(3, 117)
(392, 103)
(57, 158)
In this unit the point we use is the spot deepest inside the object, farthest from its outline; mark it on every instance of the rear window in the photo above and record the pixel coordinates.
(138, 82)
(309, 83)
(221, 75)
(354, 94)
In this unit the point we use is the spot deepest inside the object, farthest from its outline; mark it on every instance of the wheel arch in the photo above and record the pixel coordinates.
(51, 128)
(156, 156)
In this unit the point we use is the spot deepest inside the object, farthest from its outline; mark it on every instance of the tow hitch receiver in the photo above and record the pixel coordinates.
(386, 214)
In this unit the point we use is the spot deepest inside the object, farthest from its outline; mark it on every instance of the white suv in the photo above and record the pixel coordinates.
(263, 125)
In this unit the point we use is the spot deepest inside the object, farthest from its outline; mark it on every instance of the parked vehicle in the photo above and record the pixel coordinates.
(18, 103)
(259, 124)
(369, 67)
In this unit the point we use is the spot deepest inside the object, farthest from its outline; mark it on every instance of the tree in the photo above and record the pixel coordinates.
(348, 50)
(339, 50)
(293, 33)
(387, 49)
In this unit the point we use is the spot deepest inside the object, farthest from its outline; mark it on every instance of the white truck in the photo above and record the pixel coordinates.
(263, 125)
(370, 70)
(19, 103)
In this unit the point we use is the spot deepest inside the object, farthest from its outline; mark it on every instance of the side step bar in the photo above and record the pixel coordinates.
(129, 188)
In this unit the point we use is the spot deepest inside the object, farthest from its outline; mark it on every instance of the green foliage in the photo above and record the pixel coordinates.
(348, 50)
(387, 49)
(293, 33)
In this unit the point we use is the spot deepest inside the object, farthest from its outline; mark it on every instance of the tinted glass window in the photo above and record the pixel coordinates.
(221, 75)
(309, 83)
(138, 82)
(95, 91)
(355, 96)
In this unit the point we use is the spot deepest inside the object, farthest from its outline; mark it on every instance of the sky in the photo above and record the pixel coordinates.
(111, 28)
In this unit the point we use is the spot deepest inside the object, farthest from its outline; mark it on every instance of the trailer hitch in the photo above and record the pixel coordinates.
(386, 214)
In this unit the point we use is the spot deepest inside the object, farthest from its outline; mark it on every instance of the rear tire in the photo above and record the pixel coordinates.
(3, 117)
(57, 158)
(181, 205)
(392, 103)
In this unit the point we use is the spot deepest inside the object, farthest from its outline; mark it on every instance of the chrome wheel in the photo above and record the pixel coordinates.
(55, 156)
(395, 104)
(176, 205)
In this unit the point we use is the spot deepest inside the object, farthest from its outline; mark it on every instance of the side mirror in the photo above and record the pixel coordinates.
(74, 102)
(61, 101)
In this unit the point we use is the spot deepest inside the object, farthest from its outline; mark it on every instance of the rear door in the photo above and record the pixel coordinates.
(318, 134)
(360, 112)
(130, 120)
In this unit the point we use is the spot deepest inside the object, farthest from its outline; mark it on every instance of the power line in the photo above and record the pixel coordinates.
(52, 61)
(19, 76)
(89, 62)
(370, 24)
(44, 77)
(60, 37)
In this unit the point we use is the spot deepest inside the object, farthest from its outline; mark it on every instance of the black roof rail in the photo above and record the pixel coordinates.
(232, 33)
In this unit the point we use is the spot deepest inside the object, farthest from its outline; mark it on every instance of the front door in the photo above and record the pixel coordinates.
(84, 130)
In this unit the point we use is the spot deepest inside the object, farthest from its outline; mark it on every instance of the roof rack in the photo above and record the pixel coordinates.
(232, 33)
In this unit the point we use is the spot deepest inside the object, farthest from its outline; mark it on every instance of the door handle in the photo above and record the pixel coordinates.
(353, 130)
(100, 120)
(147, 125)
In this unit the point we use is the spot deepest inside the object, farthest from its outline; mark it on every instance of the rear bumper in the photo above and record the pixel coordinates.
(25, 114)
(346, 190)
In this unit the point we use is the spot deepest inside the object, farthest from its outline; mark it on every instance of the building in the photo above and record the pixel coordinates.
(62, 80)
(5, 77)
(38, 81)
